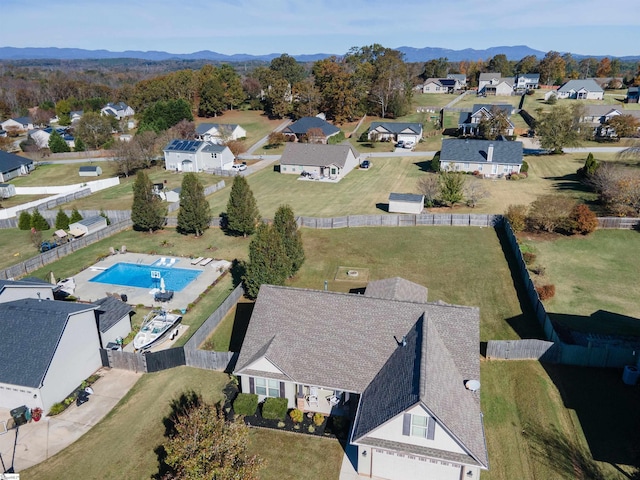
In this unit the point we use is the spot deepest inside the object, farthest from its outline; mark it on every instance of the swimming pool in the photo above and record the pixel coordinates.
(135, 275)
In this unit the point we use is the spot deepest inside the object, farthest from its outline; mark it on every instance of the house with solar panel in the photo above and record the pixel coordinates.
(219, 132)
(407, 371)
(197, 156)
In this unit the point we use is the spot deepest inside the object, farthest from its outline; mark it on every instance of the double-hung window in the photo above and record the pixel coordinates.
(267, 387)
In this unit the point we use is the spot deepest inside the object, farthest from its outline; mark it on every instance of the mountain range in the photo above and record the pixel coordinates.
(412, 54)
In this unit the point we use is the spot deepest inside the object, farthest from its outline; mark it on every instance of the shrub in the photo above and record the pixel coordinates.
(336, 139)
(245, 404)
(56, 408)
(281, 424)
(274, 408)
(517, 216)
(546, 292)
(296, 415)
(550, 213)
(583, 220)
(311, 429)
(24, 221)
(514, 176)
(318, 419)
(435, 163)
(589, 168)
(529, 257)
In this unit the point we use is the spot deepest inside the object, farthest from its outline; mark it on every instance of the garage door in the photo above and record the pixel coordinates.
(413, 138)
(387, 464)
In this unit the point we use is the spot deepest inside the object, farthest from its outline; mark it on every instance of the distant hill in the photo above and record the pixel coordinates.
(411, 54)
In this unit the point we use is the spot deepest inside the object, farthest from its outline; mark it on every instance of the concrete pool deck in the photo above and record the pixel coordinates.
(88, 291)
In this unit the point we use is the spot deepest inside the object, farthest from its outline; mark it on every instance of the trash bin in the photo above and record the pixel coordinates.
(20, 415)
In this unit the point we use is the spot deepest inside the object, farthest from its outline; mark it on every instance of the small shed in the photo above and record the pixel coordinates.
(173, 196)
(90, 171)
(87, 226)
(406, 203)
(7, 190)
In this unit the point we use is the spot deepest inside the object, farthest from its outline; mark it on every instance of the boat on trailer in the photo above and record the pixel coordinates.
(154, 327)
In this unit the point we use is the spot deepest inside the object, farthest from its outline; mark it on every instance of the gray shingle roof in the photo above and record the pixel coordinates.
(588, 84)
(10, 162)
(110, 311)
(25, 282)
(475, 151)
(398, 127)
(354, 347)
(397, 289)
(214, 148)
(485, 77)
(304, 124)
(318, 155)
(30, 330)
(205, 127)
(88, 168)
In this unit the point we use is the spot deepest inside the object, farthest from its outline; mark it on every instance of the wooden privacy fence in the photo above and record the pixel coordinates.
(603, 355)
(529, 349)
(32, 264)
(619, 223)
(189, 354)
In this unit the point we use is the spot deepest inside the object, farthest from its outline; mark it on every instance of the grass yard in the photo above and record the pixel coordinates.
(597, 280)
(432, 99)
(122, 444)
(17, 246)
(20, 200)
(557, 422)
(50, 174)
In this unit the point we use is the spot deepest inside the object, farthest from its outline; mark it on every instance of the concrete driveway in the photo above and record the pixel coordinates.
(37, 441)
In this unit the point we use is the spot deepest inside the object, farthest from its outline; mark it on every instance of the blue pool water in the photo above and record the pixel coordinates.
(135, 275)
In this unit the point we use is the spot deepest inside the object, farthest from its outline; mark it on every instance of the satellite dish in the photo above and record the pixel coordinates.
(473, 385)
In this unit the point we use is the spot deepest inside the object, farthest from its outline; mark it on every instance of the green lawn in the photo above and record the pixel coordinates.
(597, 279)
(17, 246)
(62, 174)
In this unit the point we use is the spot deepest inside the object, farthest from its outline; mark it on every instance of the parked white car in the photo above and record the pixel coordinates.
(409, 144)
(238, 167)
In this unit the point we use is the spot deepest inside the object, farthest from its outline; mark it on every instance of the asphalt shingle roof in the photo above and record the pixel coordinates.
(588, 84)
(304, 124)
(10, 162)
(397, 288)
(397, 127)
(314, 154)
(475, 151)
(110, 311)
(205, 127)
(30, 330)
(352, 342)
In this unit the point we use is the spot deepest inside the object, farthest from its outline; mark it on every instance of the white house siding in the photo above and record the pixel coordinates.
(12, 396)
(121, 329)
(489, 168)
(211, 160)
(433, 88)
(41, 138)
(10, 294)
(295, 169)
(173, 160)
(77, 357)
(392, 465)
(392, 430)
(264, 365)
(504, 89)
(289, 391)
(351, 163)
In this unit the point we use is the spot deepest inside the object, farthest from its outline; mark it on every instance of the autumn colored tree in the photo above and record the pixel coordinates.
(584, 221)
(202, 445)
(551, 68)
(339, 99)
(604, 68)
(550, 213)
(624, 125)
(306, 99)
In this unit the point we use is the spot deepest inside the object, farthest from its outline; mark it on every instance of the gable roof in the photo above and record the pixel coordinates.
(284, 316)
(461, 77)
(503, 107)
(89, 168)
(475, 151)
(110, 311)
(533, 77)
(304, 124)
(488, 76)
(588, 84)
(317, 155)
(397, 288)
(205, 127)
(30, 331)
(10, 162)
(214, 148)
(187, 146)
(423, 371)
(397, 127)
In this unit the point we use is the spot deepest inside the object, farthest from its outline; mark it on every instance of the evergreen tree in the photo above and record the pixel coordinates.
(242, 211)
(147, 211)
(451, 187)
(195, 213)
(62, 220)
(57, 143)
(285, 224)
(38, 222)
(75, 216)
(79, 145)
(24, 221)
(268, 263)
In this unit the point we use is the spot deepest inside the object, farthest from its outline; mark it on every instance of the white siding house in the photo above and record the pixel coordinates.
(489, 158)
(197, 156)
(219, 132)
(586, 89)
(320, 161)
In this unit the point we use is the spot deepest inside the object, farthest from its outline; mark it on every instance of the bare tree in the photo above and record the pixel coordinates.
(429, 186)
(127, 157)
(474, 191)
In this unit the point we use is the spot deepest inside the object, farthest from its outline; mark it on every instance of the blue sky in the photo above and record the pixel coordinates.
(587, 27)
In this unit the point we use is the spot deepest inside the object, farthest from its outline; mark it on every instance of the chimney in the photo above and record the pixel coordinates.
(490, 153)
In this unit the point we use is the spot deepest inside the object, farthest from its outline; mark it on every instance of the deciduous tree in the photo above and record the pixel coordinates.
(429, 186)
(552, 68)
(288, 68)
(451, 187)
(147, 211)
(624, 125)
(242, 210)
(550, 213)
(194, 214)
(202, 445)
(559, 128)
(94, 130)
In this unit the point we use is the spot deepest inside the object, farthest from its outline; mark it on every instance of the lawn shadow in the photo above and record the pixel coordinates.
(600, 322)
(240, 325)
(525, 324)
(569, 181)
(424, 166)
(607, 411)
(383, 206)
(237, 270)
